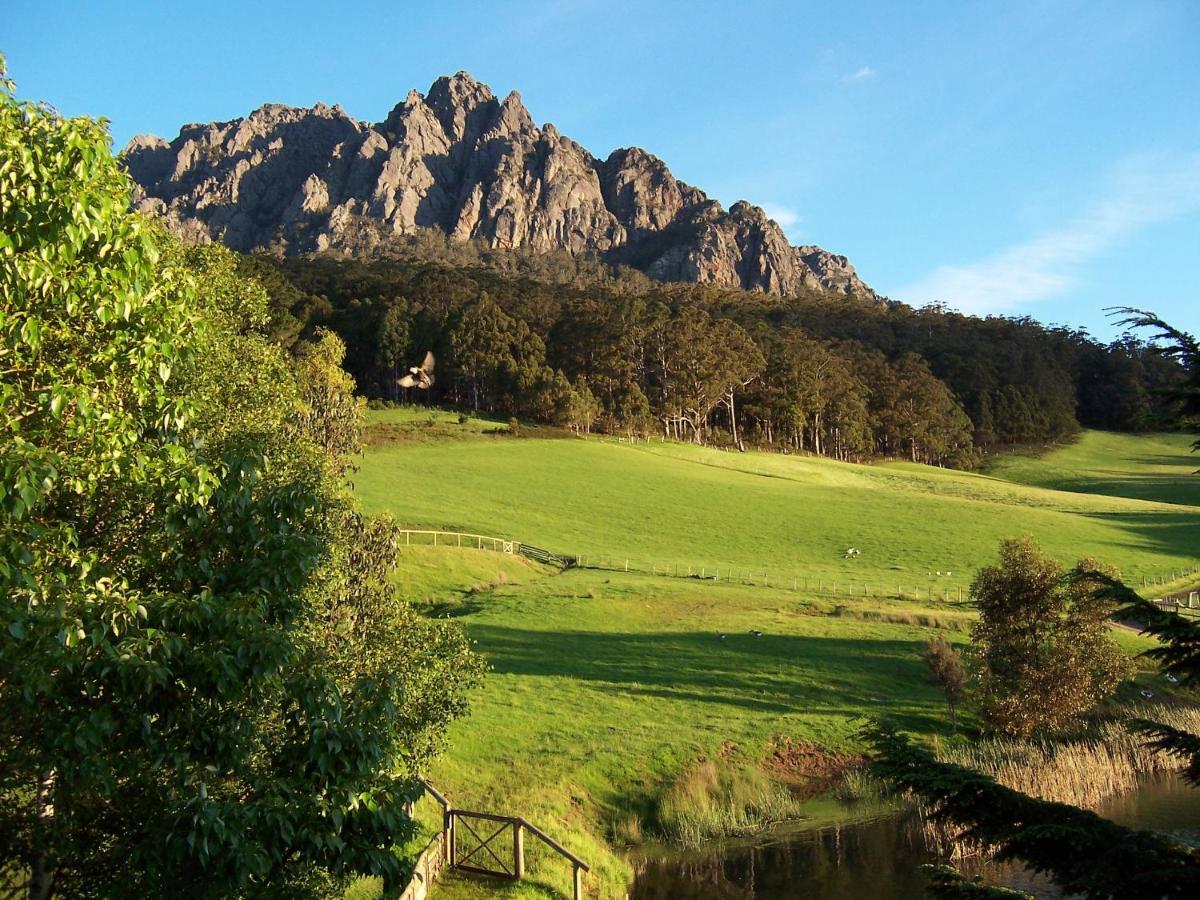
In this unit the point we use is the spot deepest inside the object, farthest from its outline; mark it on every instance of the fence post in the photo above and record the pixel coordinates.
(577, 893)
(518, 851)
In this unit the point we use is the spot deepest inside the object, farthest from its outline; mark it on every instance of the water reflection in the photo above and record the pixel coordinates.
(879, 859)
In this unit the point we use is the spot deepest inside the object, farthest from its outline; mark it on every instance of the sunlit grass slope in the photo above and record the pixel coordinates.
(604, 688)
(1146, 467)
(662, 504)
(607, 688)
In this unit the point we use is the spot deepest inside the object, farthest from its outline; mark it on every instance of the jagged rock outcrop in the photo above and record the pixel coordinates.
(459, 160)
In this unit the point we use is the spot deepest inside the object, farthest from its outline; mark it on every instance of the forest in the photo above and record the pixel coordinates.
(568, 341)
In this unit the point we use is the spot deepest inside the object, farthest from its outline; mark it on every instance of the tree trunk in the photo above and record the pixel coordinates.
(41, 880)
(733, 420)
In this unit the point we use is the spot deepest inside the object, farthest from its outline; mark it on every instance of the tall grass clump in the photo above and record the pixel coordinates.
(710, 802)
(1084, 772)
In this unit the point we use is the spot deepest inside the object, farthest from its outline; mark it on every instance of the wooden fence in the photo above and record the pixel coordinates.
(429, 865)
(461, 844)
(430, 538)
(1185, 604)
(848, 585)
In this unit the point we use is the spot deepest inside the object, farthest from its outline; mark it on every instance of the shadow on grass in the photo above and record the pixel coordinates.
(770, 674)
(452, 609)
(1182, 489)
(1177, 534)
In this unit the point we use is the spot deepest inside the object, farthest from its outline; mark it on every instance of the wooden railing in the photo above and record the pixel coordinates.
(483, 542)
(459, 539)
(473, 858)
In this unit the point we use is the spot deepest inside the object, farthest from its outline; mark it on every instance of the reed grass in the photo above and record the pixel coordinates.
(1108, 761)
(710, 802)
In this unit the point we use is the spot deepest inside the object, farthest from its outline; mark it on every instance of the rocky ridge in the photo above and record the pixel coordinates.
(475, 167)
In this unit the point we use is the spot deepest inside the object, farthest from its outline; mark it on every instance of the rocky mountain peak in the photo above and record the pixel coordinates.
(458, 159)
(513, 117)
(462, 104)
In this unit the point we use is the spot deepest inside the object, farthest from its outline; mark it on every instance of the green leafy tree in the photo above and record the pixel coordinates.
(204, 671)
(391, 344)
(946, 670)
(738, 363)
(584, 408)
(1045, 656)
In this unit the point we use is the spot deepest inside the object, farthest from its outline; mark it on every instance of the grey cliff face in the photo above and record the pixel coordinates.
(459, 160)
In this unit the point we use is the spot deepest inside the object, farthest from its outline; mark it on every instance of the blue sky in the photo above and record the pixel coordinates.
(1023, 158)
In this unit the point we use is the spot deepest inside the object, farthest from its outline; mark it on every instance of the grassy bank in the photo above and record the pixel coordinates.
(614, 713)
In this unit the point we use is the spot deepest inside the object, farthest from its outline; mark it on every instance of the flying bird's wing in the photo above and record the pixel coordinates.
(427, 365)
(406, 381)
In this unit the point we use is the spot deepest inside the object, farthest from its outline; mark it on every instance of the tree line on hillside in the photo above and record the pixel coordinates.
(833, 376)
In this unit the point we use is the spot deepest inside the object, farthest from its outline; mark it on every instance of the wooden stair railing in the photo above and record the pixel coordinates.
(475, 860)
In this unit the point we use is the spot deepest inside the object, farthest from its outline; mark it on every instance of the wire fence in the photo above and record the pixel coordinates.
(941, 587)
(936, 589)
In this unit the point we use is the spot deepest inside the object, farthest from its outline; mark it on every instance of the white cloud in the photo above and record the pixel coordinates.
(785, 216)
(861, 75)
(1143, 191)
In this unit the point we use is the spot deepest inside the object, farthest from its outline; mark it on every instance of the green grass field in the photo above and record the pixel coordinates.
(607, 688)
(1158, 467)
(661, 505)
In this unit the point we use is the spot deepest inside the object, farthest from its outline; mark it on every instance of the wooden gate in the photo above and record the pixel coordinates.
(487, 844)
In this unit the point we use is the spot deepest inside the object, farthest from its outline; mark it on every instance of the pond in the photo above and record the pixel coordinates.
(879, 858)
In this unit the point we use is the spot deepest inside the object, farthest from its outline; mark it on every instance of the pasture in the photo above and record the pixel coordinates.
(662, 505)
(608, 688)
(1158, 467)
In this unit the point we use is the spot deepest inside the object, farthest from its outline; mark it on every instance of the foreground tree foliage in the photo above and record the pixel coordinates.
(1081, 852)
(1044, 654)
(208, 686)
(1179, 651)
(947, 883)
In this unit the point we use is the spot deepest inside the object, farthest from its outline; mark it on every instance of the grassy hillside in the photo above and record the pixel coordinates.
(664, 505)
(605, 688)
(1159, 467)
(610, 693)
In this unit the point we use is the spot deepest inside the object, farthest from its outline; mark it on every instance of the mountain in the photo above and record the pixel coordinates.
(459, 160)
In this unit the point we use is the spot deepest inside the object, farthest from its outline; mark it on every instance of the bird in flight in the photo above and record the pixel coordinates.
(419, 376)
